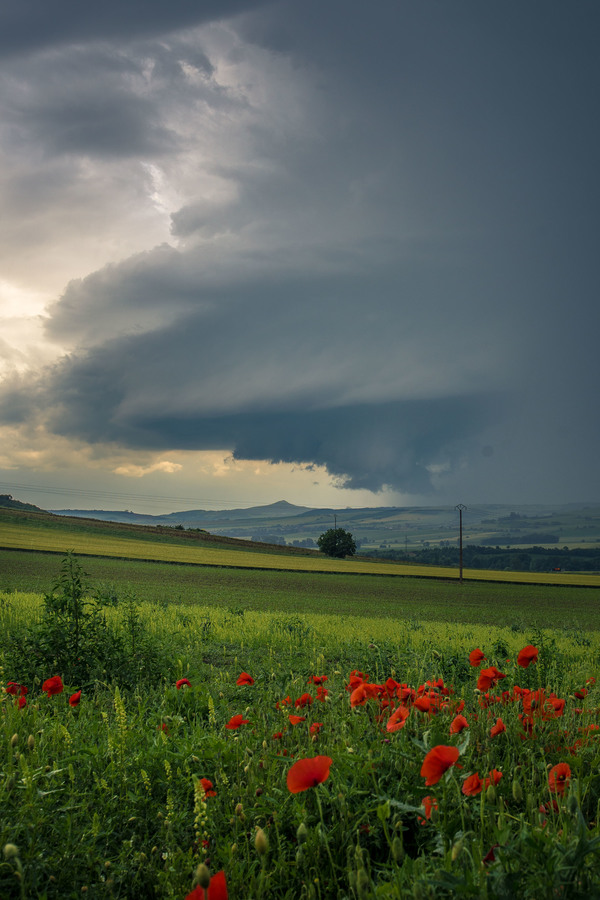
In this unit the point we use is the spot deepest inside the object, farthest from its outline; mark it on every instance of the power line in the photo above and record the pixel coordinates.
(118, 495)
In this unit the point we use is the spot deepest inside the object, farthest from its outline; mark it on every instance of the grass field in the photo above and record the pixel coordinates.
(414, 599)
(33, 534)
(421, 784)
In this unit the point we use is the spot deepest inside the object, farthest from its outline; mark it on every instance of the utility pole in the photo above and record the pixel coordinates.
(460, 508)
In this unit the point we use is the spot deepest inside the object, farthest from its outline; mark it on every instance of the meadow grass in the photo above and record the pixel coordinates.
(38, 536)
(105, 798)
(416, 599)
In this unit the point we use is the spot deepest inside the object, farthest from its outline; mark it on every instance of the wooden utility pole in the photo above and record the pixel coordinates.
(460, 508)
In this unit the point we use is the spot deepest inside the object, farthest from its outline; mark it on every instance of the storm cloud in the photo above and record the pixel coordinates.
(360, 239)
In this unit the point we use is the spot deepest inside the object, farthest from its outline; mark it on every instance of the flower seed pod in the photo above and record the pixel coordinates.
(517, 790)
(397, 849)
(301, 833)
(31, 742)
(10, 851)
(14, 740)
(203, 876)
(363, 884)
(261, 842)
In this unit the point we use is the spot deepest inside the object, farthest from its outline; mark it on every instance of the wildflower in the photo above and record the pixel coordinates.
(208, 788)
(498, 728)
(559, 777)
(493, 778)
(16, 690)
(527, 655)
(476, 657)
(489, 677)
(398, 719)
(285, 702)
(472, 785)
(183, 682)
(304, 700)
(216, 890)
(429, 804)
(307, 773)
(21, 702)
(236, 721)
(322, 693)
(277, 736)
(244, 678)
(317, 679)
(437, 761)
(457, 724)
(295, 720)
(316, 727)
(53, 685)
(75, 698)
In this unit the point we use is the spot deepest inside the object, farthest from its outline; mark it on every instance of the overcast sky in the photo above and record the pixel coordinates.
(336, 253)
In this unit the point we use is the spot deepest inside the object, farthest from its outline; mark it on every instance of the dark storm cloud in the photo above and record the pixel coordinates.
(34, 24)
(398, 269)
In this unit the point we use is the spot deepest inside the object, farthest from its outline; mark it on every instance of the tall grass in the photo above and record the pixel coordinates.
(105, 798)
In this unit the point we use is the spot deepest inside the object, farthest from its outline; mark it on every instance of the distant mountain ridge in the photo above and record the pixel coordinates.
(191, 518)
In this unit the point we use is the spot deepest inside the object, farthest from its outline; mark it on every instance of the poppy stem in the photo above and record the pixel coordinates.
(323, 829)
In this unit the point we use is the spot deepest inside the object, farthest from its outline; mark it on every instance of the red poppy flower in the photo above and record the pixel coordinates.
(457, 724)
(16, 690)
(244, 678)
(183, 682)
(398, 718)
(217, 889)
(285, 702)
(498, 728)
(295, 720)
(304, 700)
(208, 787)
(559, 777)
(472, 785)
(489, 677)
(53, 685)
(75, 698)
(429, 804)
(21, 702)
(317, 679)
(437, 761)
(307, 773)
(527, 655)
(316, 727)
(236, 721)
(476, 657)
(322, 693)
(493, 778)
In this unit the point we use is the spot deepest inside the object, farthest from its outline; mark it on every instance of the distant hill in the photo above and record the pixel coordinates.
(7, 502)
(383, 527)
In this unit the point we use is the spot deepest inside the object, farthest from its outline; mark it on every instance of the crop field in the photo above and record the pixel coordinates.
(41, 537)
(574, 609)
(152, 749)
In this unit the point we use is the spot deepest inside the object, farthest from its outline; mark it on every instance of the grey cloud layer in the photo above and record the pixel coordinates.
(385, 254)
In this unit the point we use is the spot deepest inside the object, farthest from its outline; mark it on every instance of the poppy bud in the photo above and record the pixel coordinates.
(31, 742)
(10, 851)
(572, 805)
(397, 849)
(203, 876)
(14, 740)
(363, 884)
(490, 794)
(457, 849)
(233, 849)
(261, 842)
(301, 833)
(517, 790)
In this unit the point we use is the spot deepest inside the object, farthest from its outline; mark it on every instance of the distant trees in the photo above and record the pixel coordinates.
(337, 542)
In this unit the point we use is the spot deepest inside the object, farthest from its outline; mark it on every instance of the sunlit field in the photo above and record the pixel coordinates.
(274, 754)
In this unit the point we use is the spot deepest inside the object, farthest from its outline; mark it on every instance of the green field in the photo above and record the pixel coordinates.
(53, 534)
(414, 599)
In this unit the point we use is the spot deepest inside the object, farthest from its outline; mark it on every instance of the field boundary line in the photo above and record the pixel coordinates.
(256, 568)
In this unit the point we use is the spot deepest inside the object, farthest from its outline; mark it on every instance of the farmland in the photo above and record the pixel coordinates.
(158, 718)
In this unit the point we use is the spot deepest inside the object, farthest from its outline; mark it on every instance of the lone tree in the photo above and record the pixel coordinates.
(337, 542)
